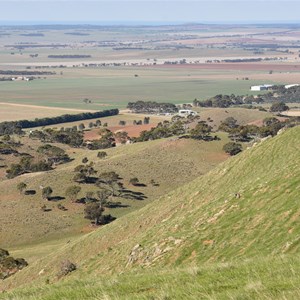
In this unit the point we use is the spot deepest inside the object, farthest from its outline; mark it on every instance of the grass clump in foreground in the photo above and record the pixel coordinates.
(258, 278)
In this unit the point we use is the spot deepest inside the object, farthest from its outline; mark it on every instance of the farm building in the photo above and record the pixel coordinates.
(263, 87)
(288, 86)
(186, 112)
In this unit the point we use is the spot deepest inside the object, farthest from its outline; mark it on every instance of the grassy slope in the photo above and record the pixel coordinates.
(170, 163)
(242, 115)
(203, 224)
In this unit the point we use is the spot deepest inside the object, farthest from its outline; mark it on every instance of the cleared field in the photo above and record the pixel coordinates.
(242, 115)
(292, 113)
(12, 111)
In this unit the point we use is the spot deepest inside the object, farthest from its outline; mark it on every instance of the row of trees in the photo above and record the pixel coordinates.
(9, 128)
(246, 133)
(152, 107)
(25, 73)
(67, 118)
(278, 96)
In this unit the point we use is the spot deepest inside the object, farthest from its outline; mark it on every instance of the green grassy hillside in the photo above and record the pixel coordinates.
(202, 239)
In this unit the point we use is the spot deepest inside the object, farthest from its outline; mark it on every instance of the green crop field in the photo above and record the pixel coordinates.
(110, 88)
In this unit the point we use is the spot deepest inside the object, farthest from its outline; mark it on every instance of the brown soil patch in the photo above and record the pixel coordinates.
(132, 130)
(208, 242)
(44, 107)
(292, 113)
(260, 122)
(88, 228)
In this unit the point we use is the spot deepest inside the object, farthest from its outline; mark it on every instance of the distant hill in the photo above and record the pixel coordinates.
(228, 234)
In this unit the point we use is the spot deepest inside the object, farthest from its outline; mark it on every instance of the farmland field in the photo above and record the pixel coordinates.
(116, 87)
(113, 66)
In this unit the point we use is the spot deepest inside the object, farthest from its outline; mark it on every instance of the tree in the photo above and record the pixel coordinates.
(85, 160)
(109, 181)
(103, 195)
(146, 120)
(72, 192)
(270, 121)
(109, 177)
(121, 136)
(46, 192)
(122, 123)
(101, 154)
(232, 148)
(271, 127)
(279, 107)
(201, 131)
(80, 178)
(89, 196)
(84, 172)
(228, 124)
(93, 211)
(21, 187)
(81, 126)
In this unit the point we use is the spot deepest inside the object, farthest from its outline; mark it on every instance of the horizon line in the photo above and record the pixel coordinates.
(148, 23)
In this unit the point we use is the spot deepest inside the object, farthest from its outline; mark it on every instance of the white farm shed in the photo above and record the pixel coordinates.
(288, 86)
(263, 87)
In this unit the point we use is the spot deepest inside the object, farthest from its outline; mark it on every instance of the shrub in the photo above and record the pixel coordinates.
(232, 148)
(21, 187)
(66, 268)
(101, 154)
(134, 181)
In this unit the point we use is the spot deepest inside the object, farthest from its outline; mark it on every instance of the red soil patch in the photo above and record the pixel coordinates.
(91, 135)
(132, 130)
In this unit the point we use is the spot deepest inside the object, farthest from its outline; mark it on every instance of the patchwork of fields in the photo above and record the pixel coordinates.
(146, 64)
(111, 88)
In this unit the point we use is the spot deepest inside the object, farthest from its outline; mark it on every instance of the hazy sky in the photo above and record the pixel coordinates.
(144, 11)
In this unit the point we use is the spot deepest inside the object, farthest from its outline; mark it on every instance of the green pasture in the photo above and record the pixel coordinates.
(115, 87)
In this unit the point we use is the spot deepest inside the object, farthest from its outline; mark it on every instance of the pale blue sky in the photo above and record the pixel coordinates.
(143, 11)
